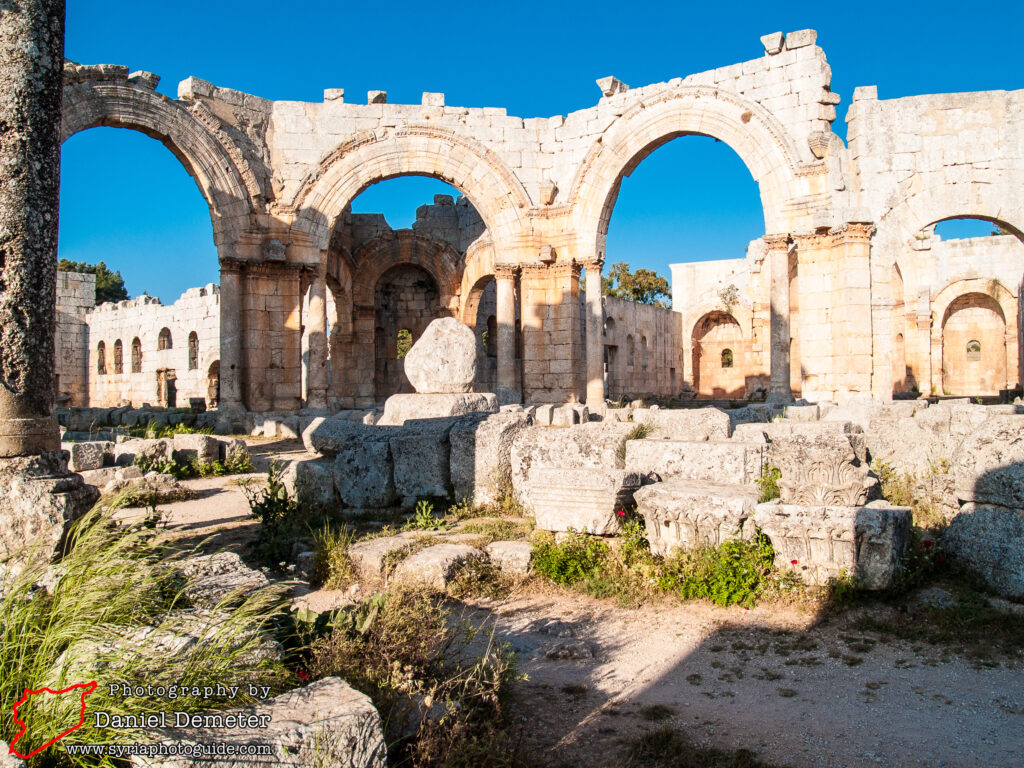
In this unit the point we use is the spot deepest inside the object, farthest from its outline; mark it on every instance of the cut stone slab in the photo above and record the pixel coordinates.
(684, 514)
(988, 467)
(363, 473)
(686, 423)
(330, 436)
(481, 456)
(443, 359)
(868, 543)
(89, 455)
(584, 500)
(213, 577)
(201, 448)
(311, 481)
(715, 461)
(130, 451)
(437, 565)
(367, 556)
(325, 723)
(398, 409)
(988, 540)
(512, 557)
(421, 454)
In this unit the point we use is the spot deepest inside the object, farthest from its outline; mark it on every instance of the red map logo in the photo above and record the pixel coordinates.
(85, 688)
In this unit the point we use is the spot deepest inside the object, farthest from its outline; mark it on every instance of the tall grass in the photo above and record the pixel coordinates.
(114, 580)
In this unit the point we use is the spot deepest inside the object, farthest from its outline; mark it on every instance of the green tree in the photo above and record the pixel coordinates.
(109, 285)
(404, 342)
(642, 285)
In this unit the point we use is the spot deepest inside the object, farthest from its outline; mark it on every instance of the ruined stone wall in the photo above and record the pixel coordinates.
(643, 349)
(197, 311)
(76, 295)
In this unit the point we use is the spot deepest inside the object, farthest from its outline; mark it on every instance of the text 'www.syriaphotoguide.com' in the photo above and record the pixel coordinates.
(168, 749)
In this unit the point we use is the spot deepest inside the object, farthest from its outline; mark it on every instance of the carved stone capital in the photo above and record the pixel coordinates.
(779, 242)
(506, 271)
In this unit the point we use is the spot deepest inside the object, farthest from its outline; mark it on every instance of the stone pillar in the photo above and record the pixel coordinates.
(31, 82)
(230, 337)
(552, 333)
(316, 383)
(778, 260)
(364, 356)
(505, 279)
(595, 338)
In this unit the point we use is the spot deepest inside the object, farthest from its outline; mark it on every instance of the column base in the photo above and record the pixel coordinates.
(41, 499)
(29, 437)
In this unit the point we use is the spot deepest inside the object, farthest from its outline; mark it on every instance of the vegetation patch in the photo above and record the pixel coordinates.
(768, 483)
(668, 748)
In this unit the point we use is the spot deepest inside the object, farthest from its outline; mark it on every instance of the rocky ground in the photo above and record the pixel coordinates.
(795, 689)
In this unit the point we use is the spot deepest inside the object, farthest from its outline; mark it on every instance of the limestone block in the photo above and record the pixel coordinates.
(437, 565)
(868, 543)
(802, 413)
(988, 466)
(324, 723)
(564, 416)
(311, 481)
(443, 359)
(773, 43)
(907, 445)
(821, 468)
(988, 540)
(421, 454)
(130, 451)
(231, 448)
(585, 500)
(363, 473)
(368, 556)
(400, 408)
(88, 455)
(611, 85)
(188, 448)
(544, 415)
(329, 436)
(686, 423)
(716, 461)
(211, 578)
(683, 514)
(481, 455)
(596, 444)
(511, 557)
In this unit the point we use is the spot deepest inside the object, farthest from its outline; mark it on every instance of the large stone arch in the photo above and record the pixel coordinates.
(411, 150)
(922, 207)
(127, 104)
(479, 269)
(748, 128)
(404, 246)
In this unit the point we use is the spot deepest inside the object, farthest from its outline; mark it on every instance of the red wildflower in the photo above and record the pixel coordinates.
(940, 559)
(303, 674)
(927, 545)
(620, 513)
(792, 562)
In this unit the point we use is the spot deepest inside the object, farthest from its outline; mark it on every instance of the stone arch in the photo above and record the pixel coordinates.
(712, 335)
(412, 150)
(944, 303)
(748, 128)
(404, 246)
(123, 104)
(479, 267)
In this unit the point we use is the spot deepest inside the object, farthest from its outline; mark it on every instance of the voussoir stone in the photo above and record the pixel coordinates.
(443, 359)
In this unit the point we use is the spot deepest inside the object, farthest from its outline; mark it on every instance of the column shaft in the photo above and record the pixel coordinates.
(595, 338)
(505, 316)
(230, 337)
(316, 383)
(778, 257)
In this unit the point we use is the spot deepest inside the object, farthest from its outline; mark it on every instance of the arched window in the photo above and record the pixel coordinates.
(609, 326)
(136, 355)
(491, 340)
(193, 351)
(973, 350)
(727, 358)
(101, 358)
(643, 352)
(118, 357)
(630, 352)
(164, 340)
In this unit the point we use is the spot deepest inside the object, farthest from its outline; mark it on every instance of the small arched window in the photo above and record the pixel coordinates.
(101, 358)
(118, 357)
(193, 351)
(727, 358)
(136, 355)
(164, 339)
(609, 326)
(973, 350)
(630, 352)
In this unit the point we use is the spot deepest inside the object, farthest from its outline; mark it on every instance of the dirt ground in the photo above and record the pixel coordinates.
(793, 690)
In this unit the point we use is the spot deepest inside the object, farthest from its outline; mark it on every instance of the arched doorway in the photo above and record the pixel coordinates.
(973, 346)
(719, 356)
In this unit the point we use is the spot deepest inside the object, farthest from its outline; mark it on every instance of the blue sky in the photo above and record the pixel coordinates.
(127, 201)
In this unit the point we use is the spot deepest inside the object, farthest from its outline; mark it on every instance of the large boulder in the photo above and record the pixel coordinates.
(443, 359)
(421, 455)
(683, 514)
(585, 500)
(325, 723)
(481, 456)
(329, 436)
(989, 541)
(717, 461)
(134, 451)
(988, 467)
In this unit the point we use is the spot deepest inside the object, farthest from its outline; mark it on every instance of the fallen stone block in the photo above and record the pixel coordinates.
(212, 578)
(89, 455)
(368, 556)
(363, 474)
(436, 565)
(511, 557)
(715, 461)
(398, 409)
(311, 481)
(329, 436)
(822, 542)
(684, 514)
(823, 468)
(988, 467)
(325, 723)
(686, 423)
(202, 448)
(988, 540)
(564, 416)
(481, 456)
(584, 500)
(421, 455)
(132, 451)
(443, 359)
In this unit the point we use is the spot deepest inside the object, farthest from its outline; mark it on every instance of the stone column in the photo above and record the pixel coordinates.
(595, 338)
(778, 260)
(316, 383)
(230, 337)
(31, 82)
(505, 316)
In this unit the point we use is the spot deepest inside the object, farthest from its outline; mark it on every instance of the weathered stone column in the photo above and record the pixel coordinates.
(316, 383)
(778, 260)
(505, 315)
(31, 82)
(230, 337)
(595, 338)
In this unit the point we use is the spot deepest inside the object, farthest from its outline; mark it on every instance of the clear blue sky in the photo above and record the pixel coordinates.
(127, 201)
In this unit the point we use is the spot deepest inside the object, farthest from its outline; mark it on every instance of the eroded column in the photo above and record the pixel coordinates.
(230, 337)
(505, 316)
(595, 338)
(778, 259)
(31, 72)
(316, 383)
